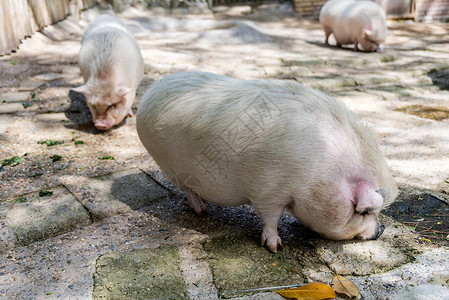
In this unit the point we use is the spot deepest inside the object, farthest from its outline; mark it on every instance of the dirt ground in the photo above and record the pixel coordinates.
(402, 93)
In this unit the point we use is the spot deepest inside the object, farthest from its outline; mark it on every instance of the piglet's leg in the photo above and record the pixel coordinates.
(130, 113)
(328, 32)
(270, 218)
(195, 201)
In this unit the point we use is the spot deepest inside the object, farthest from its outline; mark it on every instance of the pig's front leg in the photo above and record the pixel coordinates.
(270, 219)
(195, 201)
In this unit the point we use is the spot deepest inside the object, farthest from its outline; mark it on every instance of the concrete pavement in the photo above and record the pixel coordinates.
(85, 214)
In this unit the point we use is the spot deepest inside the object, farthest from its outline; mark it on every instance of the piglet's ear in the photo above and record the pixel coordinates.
(367, 32)
(367, 199)
(81, 89)
(122, 90)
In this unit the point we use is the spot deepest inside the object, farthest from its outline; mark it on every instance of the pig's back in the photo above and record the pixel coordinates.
(105, 21)
(331, 10)
(241, 140)
(359, 16)
(108, 48)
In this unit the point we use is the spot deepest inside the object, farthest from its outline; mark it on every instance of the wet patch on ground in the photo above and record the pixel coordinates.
(425, 213)
(437, 113)
(440, 78)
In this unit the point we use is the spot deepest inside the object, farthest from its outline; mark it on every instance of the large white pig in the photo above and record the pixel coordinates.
(112, 67)
(276, 144)
(354, 22)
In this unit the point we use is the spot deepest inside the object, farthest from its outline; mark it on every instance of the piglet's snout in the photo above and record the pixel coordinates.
(102, 125)
(379, 230)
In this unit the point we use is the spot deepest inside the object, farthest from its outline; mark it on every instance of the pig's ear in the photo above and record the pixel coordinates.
(122, 90)
(367, 199)
(81, 89)
(367, 32)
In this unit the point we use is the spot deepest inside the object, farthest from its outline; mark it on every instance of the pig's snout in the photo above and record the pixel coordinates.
(102, 125)
(379, 48)
(379, 230)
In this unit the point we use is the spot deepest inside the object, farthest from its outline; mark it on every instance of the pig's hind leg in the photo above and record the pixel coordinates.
(328, 32)
(195, 201)
(270, 219)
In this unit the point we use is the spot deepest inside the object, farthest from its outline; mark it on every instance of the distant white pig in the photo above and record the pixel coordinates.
(275, 144)
(354, 22)
(112, 66)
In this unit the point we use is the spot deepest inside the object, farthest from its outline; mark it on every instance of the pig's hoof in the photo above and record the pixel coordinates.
(273, 244)
(202, 211)
(198, 206)
(196, 202)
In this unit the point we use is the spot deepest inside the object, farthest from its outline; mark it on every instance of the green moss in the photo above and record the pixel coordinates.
(387, 58)
(240, 262)
(140, 274)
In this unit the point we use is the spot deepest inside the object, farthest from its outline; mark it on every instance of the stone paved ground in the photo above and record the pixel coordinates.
(91, 216)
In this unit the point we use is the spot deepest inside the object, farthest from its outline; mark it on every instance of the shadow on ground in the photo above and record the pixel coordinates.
(440, 78)
(424, 213)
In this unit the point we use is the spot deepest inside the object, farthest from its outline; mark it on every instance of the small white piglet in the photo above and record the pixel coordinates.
(355, 22)
(112, 67)
(275, 144)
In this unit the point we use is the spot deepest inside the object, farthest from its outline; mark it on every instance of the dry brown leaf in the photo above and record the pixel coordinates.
(344, 286)
(311, 291)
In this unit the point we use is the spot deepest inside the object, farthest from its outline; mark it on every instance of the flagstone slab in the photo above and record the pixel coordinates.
(32, 217)
(239, 262)
(48, 77)
(139, 274)
(9, 108)
(115, 193)
(15, 97)
(31, 85)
